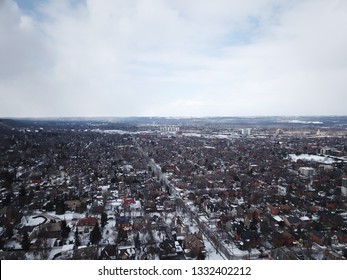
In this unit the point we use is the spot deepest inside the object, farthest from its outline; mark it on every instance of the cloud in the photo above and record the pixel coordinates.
(172, 58)
(20, 45)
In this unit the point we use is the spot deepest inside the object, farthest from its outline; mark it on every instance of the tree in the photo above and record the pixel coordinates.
(9, 231)
(8, 199)
(103, 219)
(95, 234)
(2, 243)
(308, 246)
(60, 207)
(137, 241)
(201, 256)
(122, 235)
(265, 229)
(77, 239)
(8, 178)
(64, 229)
(22, 196)
(42, 243)
(25, 241)
(22, 191)
(327, 240)
(49, 206)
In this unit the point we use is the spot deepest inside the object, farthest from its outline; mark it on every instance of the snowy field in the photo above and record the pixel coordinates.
(109, 234)
(307, 157)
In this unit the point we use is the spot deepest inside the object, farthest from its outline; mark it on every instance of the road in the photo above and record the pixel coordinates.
(212, 237)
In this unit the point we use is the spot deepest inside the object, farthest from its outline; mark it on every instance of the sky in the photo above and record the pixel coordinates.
(172, 58)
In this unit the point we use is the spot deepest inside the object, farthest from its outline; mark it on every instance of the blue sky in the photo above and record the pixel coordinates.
(172, 58)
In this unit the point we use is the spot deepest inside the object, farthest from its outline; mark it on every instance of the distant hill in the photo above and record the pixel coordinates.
(11, 123)
(131, 123)
(316, 121)
(8, 128)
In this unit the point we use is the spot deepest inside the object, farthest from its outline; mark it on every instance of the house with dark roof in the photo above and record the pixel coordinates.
(123, 222)
(85, 225)
(292, 221)
(194, 242)
(317, 236)
(109, 252)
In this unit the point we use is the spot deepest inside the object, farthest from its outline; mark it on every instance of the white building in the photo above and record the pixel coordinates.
(307, 171)
(246, 131)
(170, 128)
(344, 191)
(282, 190)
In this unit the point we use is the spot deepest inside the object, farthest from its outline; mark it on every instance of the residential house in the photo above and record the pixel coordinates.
(194, 242)
(317, 236)
(292, 221)
(86, 225)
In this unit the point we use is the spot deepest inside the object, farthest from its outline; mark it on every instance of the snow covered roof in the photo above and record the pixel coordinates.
(277, 218)
(67, 247)
(89, 221)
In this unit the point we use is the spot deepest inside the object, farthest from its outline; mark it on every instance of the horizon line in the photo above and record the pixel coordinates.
(167, 117)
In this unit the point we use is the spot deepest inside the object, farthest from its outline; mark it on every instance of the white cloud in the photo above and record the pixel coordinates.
(121, 58)
(20, 45)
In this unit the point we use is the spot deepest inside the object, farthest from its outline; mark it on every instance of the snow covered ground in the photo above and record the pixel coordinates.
(307, 157)
(32, 220)
(212, 253)
(109, 234)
